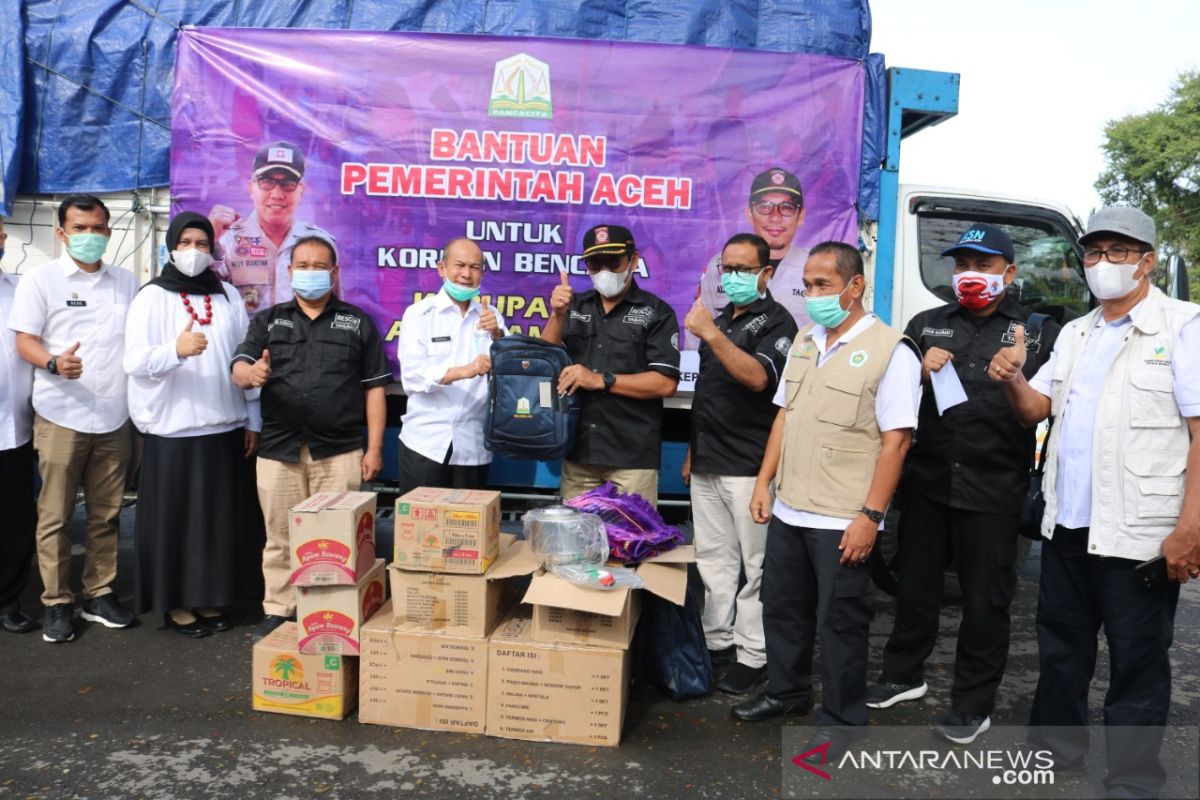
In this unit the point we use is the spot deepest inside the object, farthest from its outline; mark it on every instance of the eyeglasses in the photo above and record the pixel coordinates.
(1117, 254)
(287, 184)
(764, 208)
(739, 269)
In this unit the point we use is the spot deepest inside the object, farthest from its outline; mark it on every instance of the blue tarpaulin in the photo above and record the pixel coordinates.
(86, 84)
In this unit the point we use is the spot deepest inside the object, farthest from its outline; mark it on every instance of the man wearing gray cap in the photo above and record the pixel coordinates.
(255, 251)
(1122, 519)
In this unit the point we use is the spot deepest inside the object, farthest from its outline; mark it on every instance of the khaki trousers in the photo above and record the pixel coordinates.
(281, 485)
(728, 541)
(578, 478)
(68, 459)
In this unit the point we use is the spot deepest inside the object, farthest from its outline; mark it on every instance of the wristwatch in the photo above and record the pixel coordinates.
(872, 514)
(52, 365)
(609, 380)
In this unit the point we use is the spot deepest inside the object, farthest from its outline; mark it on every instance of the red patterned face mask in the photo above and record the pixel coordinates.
(976, 290)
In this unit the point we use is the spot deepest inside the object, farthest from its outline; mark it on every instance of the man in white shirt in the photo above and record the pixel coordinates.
(16, 465)
(69, 319)
(847, 406)
(1122, 519)
(444, 344)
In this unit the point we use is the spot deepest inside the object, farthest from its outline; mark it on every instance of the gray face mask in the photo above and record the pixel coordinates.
(610, 284)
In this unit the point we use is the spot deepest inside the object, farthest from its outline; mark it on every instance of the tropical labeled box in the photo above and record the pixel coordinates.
(332, 538)
(286, 681)
(447, 530)
(330, 616)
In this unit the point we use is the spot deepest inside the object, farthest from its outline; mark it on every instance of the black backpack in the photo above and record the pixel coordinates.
(527, 418)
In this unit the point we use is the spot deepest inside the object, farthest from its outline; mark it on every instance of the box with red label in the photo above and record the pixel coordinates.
(330, 616)
(332, 538)
(287, 682)
(447, 530)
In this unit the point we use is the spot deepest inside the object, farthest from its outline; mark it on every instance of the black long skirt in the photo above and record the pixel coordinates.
(199, 528)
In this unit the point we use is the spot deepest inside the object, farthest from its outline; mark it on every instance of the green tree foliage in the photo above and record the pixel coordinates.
(1153, 163)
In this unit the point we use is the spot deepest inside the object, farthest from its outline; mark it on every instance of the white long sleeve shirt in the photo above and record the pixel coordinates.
(435, 336)
(172, 396)
(16, 377)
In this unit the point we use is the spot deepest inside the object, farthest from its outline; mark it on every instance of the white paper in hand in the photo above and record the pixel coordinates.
(947, 388)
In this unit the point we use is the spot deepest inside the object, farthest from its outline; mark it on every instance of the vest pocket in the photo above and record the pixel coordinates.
(838, 405)
(1152, 399)
(1154, 487)
(842, 477)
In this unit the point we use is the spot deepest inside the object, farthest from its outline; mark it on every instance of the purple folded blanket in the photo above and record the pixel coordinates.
(635, 529)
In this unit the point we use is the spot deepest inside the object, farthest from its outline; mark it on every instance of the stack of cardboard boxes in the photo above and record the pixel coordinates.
(451, 653)
(453, 649)
(310, 667)
(424, 656)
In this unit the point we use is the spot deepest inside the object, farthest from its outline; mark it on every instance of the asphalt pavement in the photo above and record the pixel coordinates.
(146, 713)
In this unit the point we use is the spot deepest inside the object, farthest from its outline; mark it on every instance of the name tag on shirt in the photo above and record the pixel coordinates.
(76, 303)
(437, 339)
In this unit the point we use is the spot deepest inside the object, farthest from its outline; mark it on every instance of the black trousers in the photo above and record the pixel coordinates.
(807, 594)
(18, 518)
(1080, 593)
(417, 470)
(983, 550)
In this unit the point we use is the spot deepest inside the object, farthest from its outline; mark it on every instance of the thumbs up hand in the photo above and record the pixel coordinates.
(1007, 363)
(560, 299)
(69, 365)
(190, 343)
(488, 321)
(260, 373)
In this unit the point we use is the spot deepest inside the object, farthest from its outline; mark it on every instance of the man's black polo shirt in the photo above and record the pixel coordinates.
(977, 456)
(731, 423)
(641, 334)
(319, 371)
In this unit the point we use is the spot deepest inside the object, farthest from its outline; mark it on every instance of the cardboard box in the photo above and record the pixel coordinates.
(459, 605)
(569, 614)
(332, 538)
(286, 681)
(554, 692)
(447, 530)
(330, 616)
(414, 678)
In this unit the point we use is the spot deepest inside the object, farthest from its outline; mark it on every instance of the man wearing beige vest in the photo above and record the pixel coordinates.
(847, 406)
(1122, 520)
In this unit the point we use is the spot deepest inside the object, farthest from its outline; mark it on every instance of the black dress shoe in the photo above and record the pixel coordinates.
(742, 679)
(765, 707)
(14, 620)
(196, 629)
(218, 623)
(723, 657)
(838, 737)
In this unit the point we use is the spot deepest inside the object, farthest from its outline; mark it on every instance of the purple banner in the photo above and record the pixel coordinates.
(402, 141)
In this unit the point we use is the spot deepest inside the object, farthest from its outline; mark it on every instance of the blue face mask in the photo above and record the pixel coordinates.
(742, 290)
(311, 284)
(87, 248)
(827, 311)
(458, 292)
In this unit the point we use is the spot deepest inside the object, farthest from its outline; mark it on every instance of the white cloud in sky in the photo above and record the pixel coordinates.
(1040, 78)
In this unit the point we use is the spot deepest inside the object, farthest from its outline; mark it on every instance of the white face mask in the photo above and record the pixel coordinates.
(1109, 281)
(610, 284)
(191, 262)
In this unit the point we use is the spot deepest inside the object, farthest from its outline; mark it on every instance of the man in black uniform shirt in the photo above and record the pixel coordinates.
(742, 353)
(963, 489)
(320, 363)
(625, 345)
